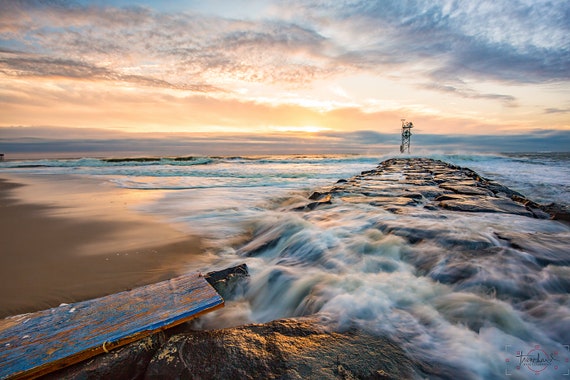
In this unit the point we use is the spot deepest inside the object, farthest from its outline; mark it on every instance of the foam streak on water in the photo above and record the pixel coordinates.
(357, 265)
(337, 262)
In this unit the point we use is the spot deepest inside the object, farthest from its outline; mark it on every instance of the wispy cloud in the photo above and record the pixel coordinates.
(507, 100)
(210, 66)
(66, 68)
(557, 110)
(180, 47)
(518, 42)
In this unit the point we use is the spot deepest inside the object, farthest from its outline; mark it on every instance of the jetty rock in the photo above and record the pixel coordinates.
(282, 349)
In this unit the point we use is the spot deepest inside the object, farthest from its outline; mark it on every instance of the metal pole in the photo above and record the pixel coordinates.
(406, 136)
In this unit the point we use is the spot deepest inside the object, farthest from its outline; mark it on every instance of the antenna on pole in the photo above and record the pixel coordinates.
(406, 135)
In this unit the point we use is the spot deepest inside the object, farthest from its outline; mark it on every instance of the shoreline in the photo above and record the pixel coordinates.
(56, 251)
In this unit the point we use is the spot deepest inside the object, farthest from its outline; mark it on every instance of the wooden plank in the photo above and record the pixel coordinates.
(38, 343)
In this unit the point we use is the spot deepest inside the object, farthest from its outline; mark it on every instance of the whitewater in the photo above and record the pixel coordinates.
(342, 264)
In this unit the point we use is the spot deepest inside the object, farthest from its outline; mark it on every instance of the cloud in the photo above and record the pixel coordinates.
(48, 67)
(515, 41)
(211, 67)
(175, 48)
(532, 141)
(267, 52)
(66, 68)
(507, 100)
(557, 110)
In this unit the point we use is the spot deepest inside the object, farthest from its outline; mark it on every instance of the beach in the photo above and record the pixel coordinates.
(66, 240)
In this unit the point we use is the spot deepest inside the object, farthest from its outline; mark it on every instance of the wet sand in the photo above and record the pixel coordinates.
(64, 240)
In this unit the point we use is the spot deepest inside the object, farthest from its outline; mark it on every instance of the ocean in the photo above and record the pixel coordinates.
(339, 264)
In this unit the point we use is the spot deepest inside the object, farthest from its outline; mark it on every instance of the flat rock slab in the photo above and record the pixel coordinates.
(466, 189)
(381, 201)
(485, 204)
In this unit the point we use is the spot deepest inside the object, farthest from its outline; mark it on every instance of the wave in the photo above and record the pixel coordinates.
(544, 177)
(181, 161)
(175, 161)
(299, 159)
(107, 162)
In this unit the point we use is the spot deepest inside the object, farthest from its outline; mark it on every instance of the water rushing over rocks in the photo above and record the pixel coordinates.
(458, 275)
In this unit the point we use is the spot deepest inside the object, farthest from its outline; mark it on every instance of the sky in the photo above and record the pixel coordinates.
(284, 76)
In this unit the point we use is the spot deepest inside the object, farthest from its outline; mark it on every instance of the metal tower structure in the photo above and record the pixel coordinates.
(406, 135)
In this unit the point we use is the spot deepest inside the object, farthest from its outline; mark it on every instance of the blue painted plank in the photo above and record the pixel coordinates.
(51, 339)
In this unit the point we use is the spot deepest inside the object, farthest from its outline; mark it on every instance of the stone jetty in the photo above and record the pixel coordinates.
(400, 185)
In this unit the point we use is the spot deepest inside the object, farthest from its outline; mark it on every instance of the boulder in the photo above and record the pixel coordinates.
(321, 199)
(283, 349)
(557, 212)
(228, 280)
(127, 362)
(317, 195)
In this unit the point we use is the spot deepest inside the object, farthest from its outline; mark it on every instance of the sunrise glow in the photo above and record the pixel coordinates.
(466, 68)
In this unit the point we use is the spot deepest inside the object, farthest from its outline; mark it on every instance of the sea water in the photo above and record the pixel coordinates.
(337, 263)
(543, 177)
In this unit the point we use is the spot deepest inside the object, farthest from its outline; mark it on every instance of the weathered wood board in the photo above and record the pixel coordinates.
(38, 343)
